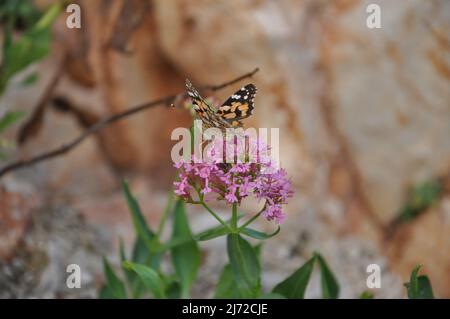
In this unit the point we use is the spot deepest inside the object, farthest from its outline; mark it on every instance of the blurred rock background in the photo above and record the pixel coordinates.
(364, 118)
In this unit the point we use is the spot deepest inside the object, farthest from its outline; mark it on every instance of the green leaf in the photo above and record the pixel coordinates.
(30, 47)
(9, 119)
(140, 255)
(168, 209)
(257, 234)
(149, 277)
(140, 225)
(330, 286)
(146, 248)
(128, 274)
(419, 287)
(295, 285)
(3, 155)
(173, 242)
(105, 293)
(272, 295)
(30, 79)
(245, 266)
(185, 257)
(226, 287)
(202, 236)
(23, 52)
(421, 197)
(49, 16)
(207, 234)
(115, 285)
(173, 290)
(425, 290)
(23, 10)
(258, 251)
(366, 295)
(212, 233)
(134, 283)
(215, 232)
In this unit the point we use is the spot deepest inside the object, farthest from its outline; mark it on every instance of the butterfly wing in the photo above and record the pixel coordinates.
(200, 106)
(206, 113)
(238, 106)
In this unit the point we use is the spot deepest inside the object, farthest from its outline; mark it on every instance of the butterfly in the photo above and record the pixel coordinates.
(237, 107)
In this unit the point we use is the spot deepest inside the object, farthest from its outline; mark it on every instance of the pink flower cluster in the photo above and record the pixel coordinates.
(252, 172)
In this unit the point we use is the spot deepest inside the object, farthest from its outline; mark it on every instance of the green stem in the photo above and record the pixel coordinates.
(253, 218)
(220, 220)
(202, 202)
(234, 218)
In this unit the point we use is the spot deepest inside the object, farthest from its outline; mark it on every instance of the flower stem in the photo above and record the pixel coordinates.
(202, 202)
(248, 222)
(220, 220)
(234, 218)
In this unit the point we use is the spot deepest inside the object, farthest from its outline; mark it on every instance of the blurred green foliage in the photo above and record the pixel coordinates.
(419, 287)
(142, 271)
(19, 14)
(26, 39)
(366, 295)
(32, 44)
(421, 197)
(9, 119)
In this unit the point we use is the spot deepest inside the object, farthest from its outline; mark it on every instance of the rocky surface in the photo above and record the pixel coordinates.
(57, 237)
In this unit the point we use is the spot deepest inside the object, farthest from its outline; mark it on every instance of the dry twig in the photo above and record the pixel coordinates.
(168, 100)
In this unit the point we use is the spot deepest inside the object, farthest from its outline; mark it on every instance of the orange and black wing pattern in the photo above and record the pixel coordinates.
(238, 106)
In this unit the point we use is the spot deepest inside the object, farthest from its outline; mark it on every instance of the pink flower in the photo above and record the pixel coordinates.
(182, 188)
(274, 212)
(253, 173)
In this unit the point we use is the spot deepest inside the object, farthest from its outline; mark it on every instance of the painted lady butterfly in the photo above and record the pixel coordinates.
(237, 107)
